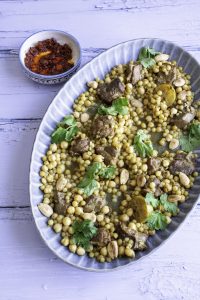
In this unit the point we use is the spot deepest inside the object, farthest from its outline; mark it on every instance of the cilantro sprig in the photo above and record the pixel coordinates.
(108, 172)
(150, 199)
(191, 140)
(146, 57)
(157, 221)
(84, 231)
(167, 205)
(143, 144)
(65, 131)
(119, 106)
(89, 184)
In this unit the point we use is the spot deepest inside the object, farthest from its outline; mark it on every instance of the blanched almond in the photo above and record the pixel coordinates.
(124, 176)
(89, 216)
(179, 82)
(182, 95)
(174, 198)
(113, 249)
(45, 209)
(184, 179)
(93, 84)
(173, 144)
(84, 117)
(136, 103)
(161, 57)
(141, 180)
(61, 184)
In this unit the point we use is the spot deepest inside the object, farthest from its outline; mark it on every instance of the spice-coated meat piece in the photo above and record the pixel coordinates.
(134, 73)
(138, 237)
(102, 238)
(102, 126)
(147, 189)
(80, 145)
(167, 78)
(108, 152)
(108, 92)
(60, 204)
(184, 163)
(94, 204)
(153, 164)
(183, 120)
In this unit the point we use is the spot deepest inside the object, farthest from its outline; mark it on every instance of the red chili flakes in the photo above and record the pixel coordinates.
(48, 57)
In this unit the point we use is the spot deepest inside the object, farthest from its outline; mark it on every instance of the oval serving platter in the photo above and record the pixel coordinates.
(62, 105)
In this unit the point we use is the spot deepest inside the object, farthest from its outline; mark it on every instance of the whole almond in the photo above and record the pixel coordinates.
(124, 176)
(61, 184)
(113, 249)
(184, 179)
(45, 209)
(161, 57)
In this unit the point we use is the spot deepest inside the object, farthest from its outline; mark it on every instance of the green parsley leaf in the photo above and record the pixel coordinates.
(84, 231)
(66, 130)
(119, 106)
(70, 133)
(142, 144)
(68, 120)
(146, 57)
(150, 199)
(157, 221)
(93, 169)
(107, 172)
(191, 140)
(88, 184)
(58, 135)
(168, 206)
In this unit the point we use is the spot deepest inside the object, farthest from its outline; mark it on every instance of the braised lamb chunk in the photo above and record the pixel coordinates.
(140, 241)
(102, 126)
(102, 238)
(183, 120)
(153, 164)
(60, 205)
(80, 145)
(94, 204)
(108, 92)
(139, 238)
(167, 78)
(108, 152)
(184, 163)
(147, 189)
(134, 73)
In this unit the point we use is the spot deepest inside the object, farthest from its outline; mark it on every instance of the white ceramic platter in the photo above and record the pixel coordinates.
(62, 105)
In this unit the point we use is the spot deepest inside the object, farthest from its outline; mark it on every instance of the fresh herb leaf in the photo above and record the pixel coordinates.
(150, 199)
(70, 133)
(66, 130)
(157, 221)
(68, 120)
(168, 206)
(107, 172)
(93, 169)
(142, 144)
(191, 140)
(119, 106)
(88, 184)
(146, 57)
(84, 231)
(58, 135)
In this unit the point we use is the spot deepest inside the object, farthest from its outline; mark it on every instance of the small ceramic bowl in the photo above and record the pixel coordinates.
(62, 38)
